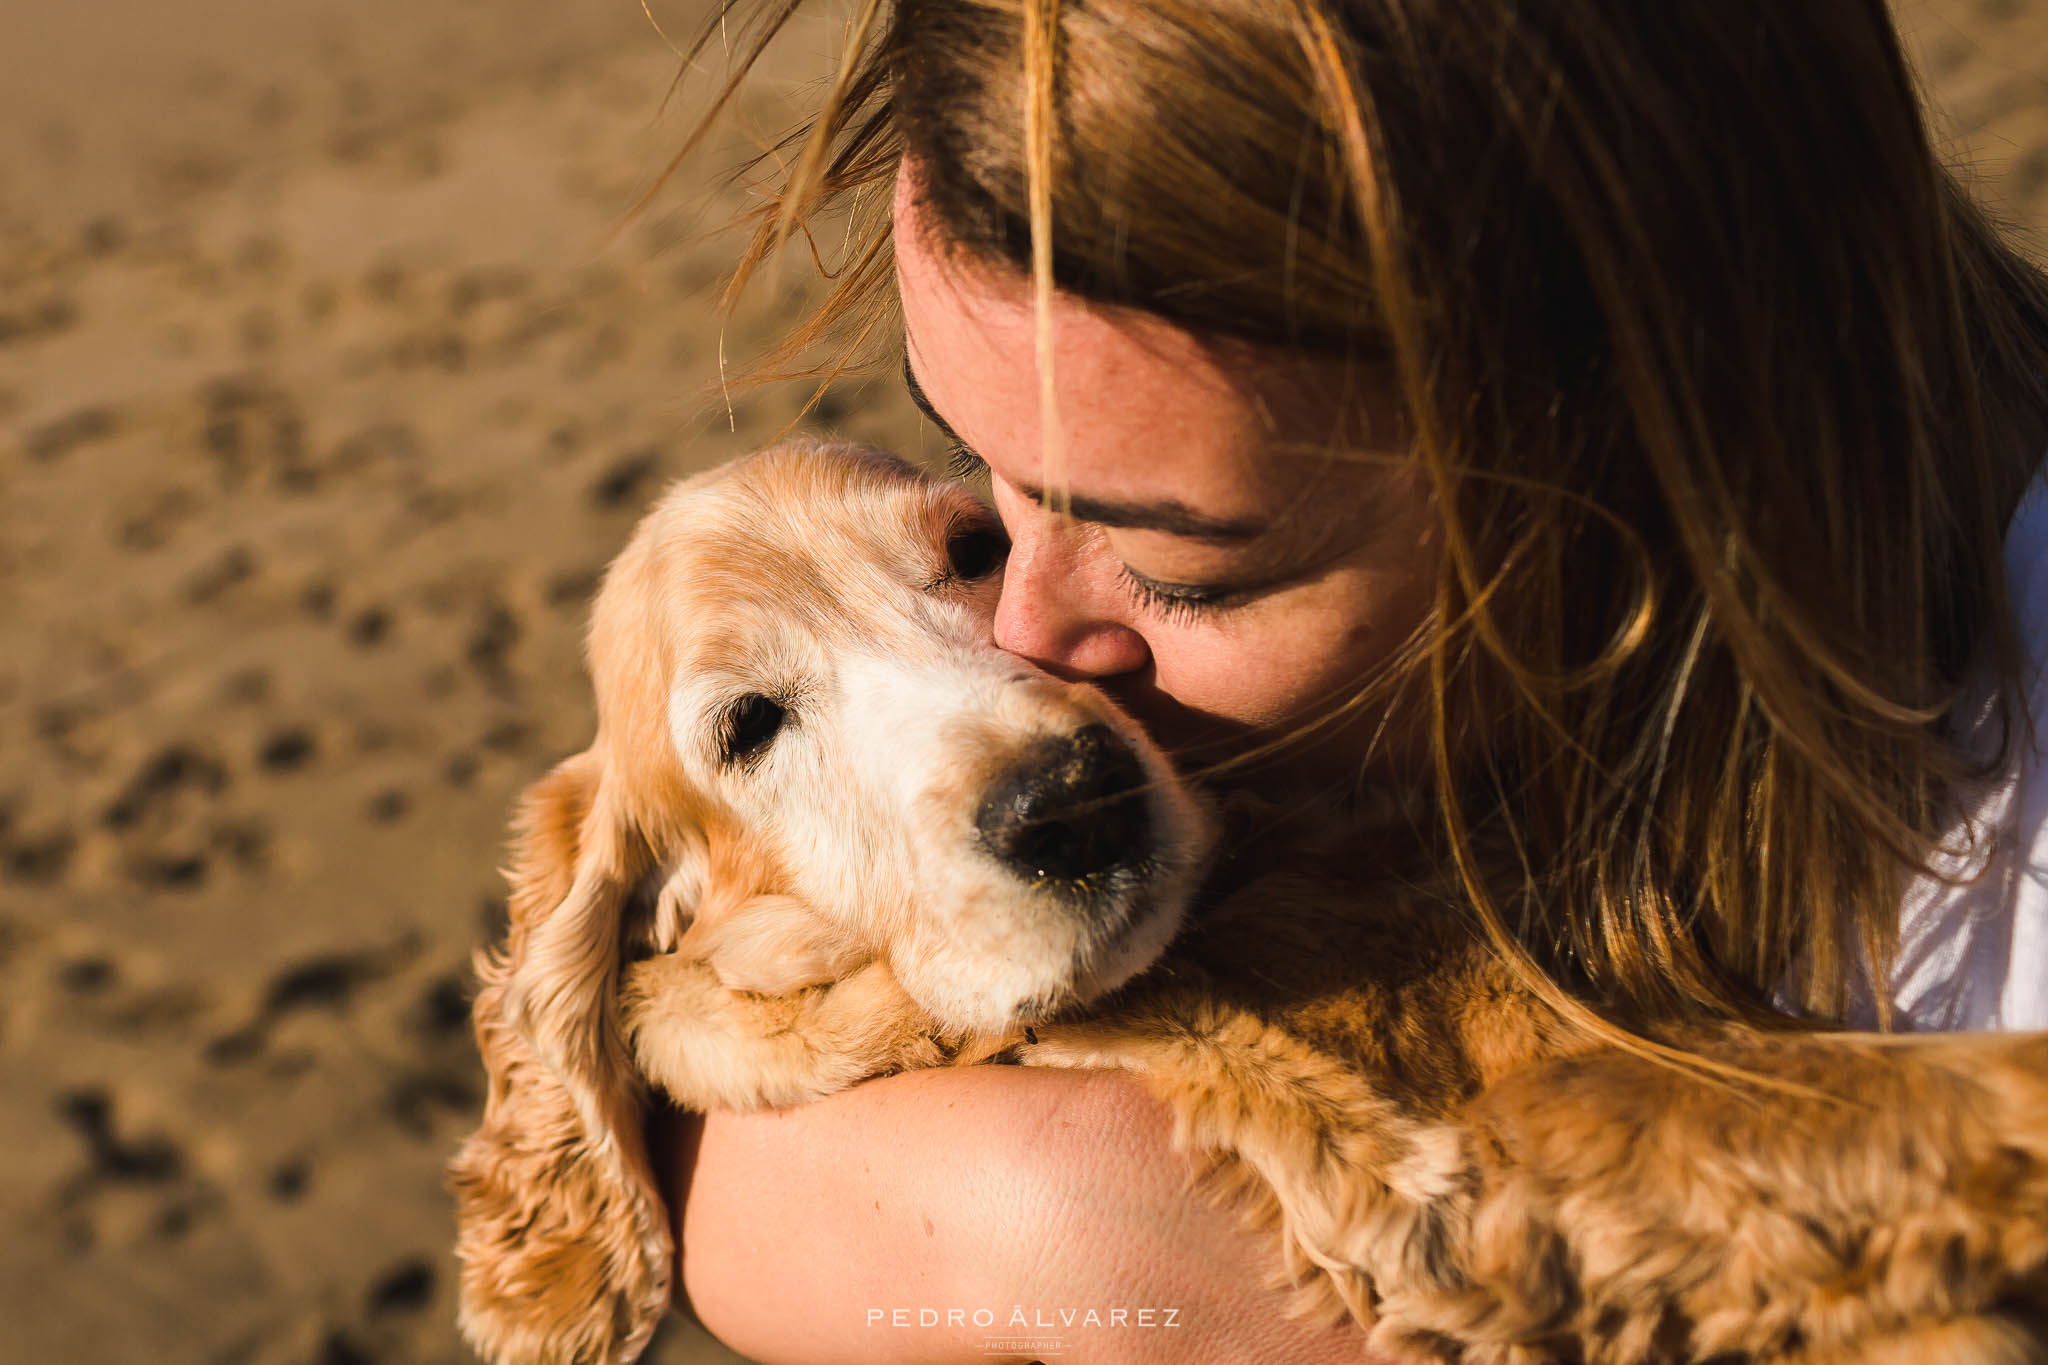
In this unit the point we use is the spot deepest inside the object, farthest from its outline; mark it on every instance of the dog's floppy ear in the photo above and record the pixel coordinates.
(562, 1232)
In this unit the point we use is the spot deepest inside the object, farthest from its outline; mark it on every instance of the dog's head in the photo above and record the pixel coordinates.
(800, 697)
(810, 755)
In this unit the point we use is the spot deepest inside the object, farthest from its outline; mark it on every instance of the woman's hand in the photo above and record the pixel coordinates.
(933, 1215)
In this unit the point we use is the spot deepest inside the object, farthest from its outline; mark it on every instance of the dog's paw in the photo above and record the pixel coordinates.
(773, 945)
(710, 1046)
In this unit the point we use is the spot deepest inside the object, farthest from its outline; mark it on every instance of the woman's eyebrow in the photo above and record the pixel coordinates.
(1174, 518)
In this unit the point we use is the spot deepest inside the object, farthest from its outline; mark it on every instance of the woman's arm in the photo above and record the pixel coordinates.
(912, 1218)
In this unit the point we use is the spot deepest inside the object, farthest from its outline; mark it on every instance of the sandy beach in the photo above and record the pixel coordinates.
(332, 371)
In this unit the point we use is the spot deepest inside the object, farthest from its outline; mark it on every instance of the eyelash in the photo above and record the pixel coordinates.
(1173, 603)
(963, 463)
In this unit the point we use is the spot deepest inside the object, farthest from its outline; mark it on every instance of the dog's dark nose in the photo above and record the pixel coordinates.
(1071, 807)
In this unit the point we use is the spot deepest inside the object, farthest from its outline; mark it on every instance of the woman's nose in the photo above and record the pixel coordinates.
(1057, 613)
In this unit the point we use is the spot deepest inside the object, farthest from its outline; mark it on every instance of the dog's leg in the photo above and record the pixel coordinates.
(1991, 1340)
(1886, 1202)
(713, 1047)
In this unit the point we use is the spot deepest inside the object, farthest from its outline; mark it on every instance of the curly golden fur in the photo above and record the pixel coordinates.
(742, 921)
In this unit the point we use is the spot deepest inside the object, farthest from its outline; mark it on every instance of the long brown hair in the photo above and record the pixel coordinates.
(1725, 390)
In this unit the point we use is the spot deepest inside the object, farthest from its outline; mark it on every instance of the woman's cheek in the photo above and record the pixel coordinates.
(1288, 658)
(1250, 671)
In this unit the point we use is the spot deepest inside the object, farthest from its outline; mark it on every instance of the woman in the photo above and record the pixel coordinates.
(1606, 419)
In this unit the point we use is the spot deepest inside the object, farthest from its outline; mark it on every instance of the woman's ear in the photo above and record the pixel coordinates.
(562, 1232)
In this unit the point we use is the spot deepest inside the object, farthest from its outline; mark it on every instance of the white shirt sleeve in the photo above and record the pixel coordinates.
(1974, 955)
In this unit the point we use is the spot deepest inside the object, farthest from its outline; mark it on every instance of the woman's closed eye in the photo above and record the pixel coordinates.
(1173, 602)
(1181, 602)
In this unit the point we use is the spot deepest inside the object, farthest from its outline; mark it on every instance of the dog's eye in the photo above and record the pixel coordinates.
(749, 724)
(975, 552)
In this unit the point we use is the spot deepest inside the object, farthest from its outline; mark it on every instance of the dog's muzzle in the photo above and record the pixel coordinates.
(1071, 807)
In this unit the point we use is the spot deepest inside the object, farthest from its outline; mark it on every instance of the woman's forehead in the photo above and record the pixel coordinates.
(1143, 442)
(1133, 395)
